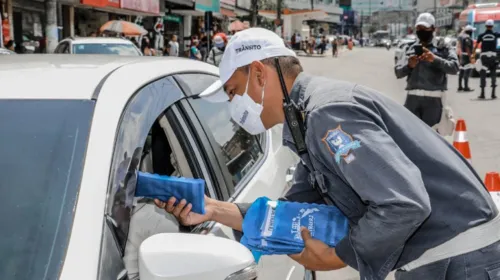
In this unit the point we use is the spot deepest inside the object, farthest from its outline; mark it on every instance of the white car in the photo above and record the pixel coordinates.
(75, 130)
(97, 45)
(399, 51)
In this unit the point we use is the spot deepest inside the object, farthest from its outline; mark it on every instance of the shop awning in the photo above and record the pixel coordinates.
(227, 13)
(305, 14)
(118, 11)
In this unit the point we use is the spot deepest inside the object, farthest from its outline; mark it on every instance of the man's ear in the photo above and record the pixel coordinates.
(260, 70)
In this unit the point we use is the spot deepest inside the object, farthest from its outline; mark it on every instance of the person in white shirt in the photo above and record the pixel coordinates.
(174, 46)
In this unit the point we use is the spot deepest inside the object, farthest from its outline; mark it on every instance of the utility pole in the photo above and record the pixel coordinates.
(51, 27)
(255, 11)
(312, 5)
(278, 16)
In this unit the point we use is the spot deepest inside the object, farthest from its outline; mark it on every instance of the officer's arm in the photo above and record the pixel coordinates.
(448, 64)
(401, 69)
(478, 41)
(300, 191)
(385, 179)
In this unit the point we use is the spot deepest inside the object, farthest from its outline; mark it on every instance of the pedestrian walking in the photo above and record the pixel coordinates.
(335, 47)
(488, 41)
(215, 54)
(194, 51)
(465, 46)
(146, 47)
(410, 197)
(174, 46)
(426, 65)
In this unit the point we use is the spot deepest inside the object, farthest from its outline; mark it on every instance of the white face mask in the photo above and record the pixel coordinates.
(246, 112)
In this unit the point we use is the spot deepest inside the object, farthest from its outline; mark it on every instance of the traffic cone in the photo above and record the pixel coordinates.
(461, 143)
(492, 182)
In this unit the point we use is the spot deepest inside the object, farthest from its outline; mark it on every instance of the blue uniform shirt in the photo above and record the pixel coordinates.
(403, 188)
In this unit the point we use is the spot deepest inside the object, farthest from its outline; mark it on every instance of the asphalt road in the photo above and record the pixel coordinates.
(374, 67)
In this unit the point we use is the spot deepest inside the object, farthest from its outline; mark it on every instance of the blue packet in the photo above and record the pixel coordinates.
(273, 227)
(164, 187)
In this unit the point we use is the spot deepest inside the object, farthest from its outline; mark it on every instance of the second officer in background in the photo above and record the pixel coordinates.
(488, 41)
(465, 46)
(425, 65)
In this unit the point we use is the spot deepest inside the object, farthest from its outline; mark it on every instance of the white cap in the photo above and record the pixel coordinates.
(250, 45)
(425, 19)
(245, 47)
(490, 22)
(218, 40)
(469, 28)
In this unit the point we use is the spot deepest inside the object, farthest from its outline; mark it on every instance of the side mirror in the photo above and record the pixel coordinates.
(181, 256)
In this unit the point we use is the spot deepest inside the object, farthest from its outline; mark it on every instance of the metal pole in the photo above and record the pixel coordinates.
(51, 27)
(278, 15)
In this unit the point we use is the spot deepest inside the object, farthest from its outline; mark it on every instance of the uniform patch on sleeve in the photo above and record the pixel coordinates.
(341, 144)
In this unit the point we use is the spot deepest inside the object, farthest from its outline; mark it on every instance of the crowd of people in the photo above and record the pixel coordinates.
(320, 44)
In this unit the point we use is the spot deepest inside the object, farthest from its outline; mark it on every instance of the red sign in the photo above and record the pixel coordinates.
(95, 3)
(113, 3)
(102, 3)
(148, 6)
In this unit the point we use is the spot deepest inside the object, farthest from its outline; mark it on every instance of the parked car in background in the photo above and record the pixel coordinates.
(403, 43)
(98, 45)
(82, 127)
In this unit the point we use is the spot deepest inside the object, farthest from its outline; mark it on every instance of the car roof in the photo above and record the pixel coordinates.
(76, 76)
(99, 40)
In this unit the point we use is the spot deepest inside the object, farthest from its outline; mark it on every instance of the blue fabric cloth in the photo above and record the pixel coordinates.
(164, 187)
(273, 227)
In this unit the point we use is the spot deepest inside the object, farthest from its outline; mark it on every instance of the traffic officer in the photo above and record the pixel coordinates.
(488, 41)
(425, 65)
(465, 46)
(413, 202)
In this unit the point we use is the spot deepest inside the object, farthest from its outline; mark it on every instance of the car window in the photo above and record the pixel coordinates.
(43, 146)
(148, 140)
(115, 49)
(240, 150)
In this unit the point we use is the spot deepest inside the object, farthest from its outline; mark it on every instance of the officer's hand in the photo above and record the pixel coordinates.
(183, 211)
(317, 256)
(427, 56)
(413, 61)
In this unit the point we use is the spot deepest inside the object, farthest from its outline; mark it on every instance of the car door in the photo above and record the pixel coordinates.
(152, 138)
(246, 166)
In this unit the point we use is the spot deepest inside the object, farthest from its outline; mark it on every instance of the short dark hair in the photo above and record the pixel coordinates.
(290, 65)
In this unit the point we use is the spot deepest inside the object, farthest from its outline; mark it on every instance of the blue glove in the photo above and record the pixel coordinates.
(164, 187)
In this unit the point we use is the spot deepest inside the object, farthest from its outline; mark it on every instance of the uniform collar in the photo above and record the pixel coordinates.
(297, 96)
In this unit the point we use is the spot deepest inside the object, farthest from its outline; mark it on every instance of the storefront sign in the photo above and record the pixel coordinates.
(208, 6)
(95, 3)
(148, 6)
(114, 3)
(102, 3)
(172, 18)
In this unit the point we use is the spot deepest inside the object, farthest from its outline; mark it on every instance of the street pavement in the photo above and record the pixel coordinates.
(374, 67)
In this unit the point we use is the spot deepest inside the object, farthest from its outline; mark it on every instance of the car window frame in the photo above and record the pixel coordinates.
(110, 225)
(232, 193)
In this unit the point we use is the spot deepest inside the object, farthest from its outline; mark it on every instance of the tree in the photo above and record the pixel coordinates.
(270, 5)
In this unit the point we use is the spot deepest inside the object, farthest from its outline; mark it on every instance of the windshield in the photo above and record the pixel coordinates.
(381, 35)
(480, 28)
(116, 49)
(42, 150)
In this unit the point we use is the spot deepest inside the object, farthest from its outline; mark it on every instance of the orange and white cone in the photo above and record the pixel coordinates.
(492, 182)
(461, 143)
